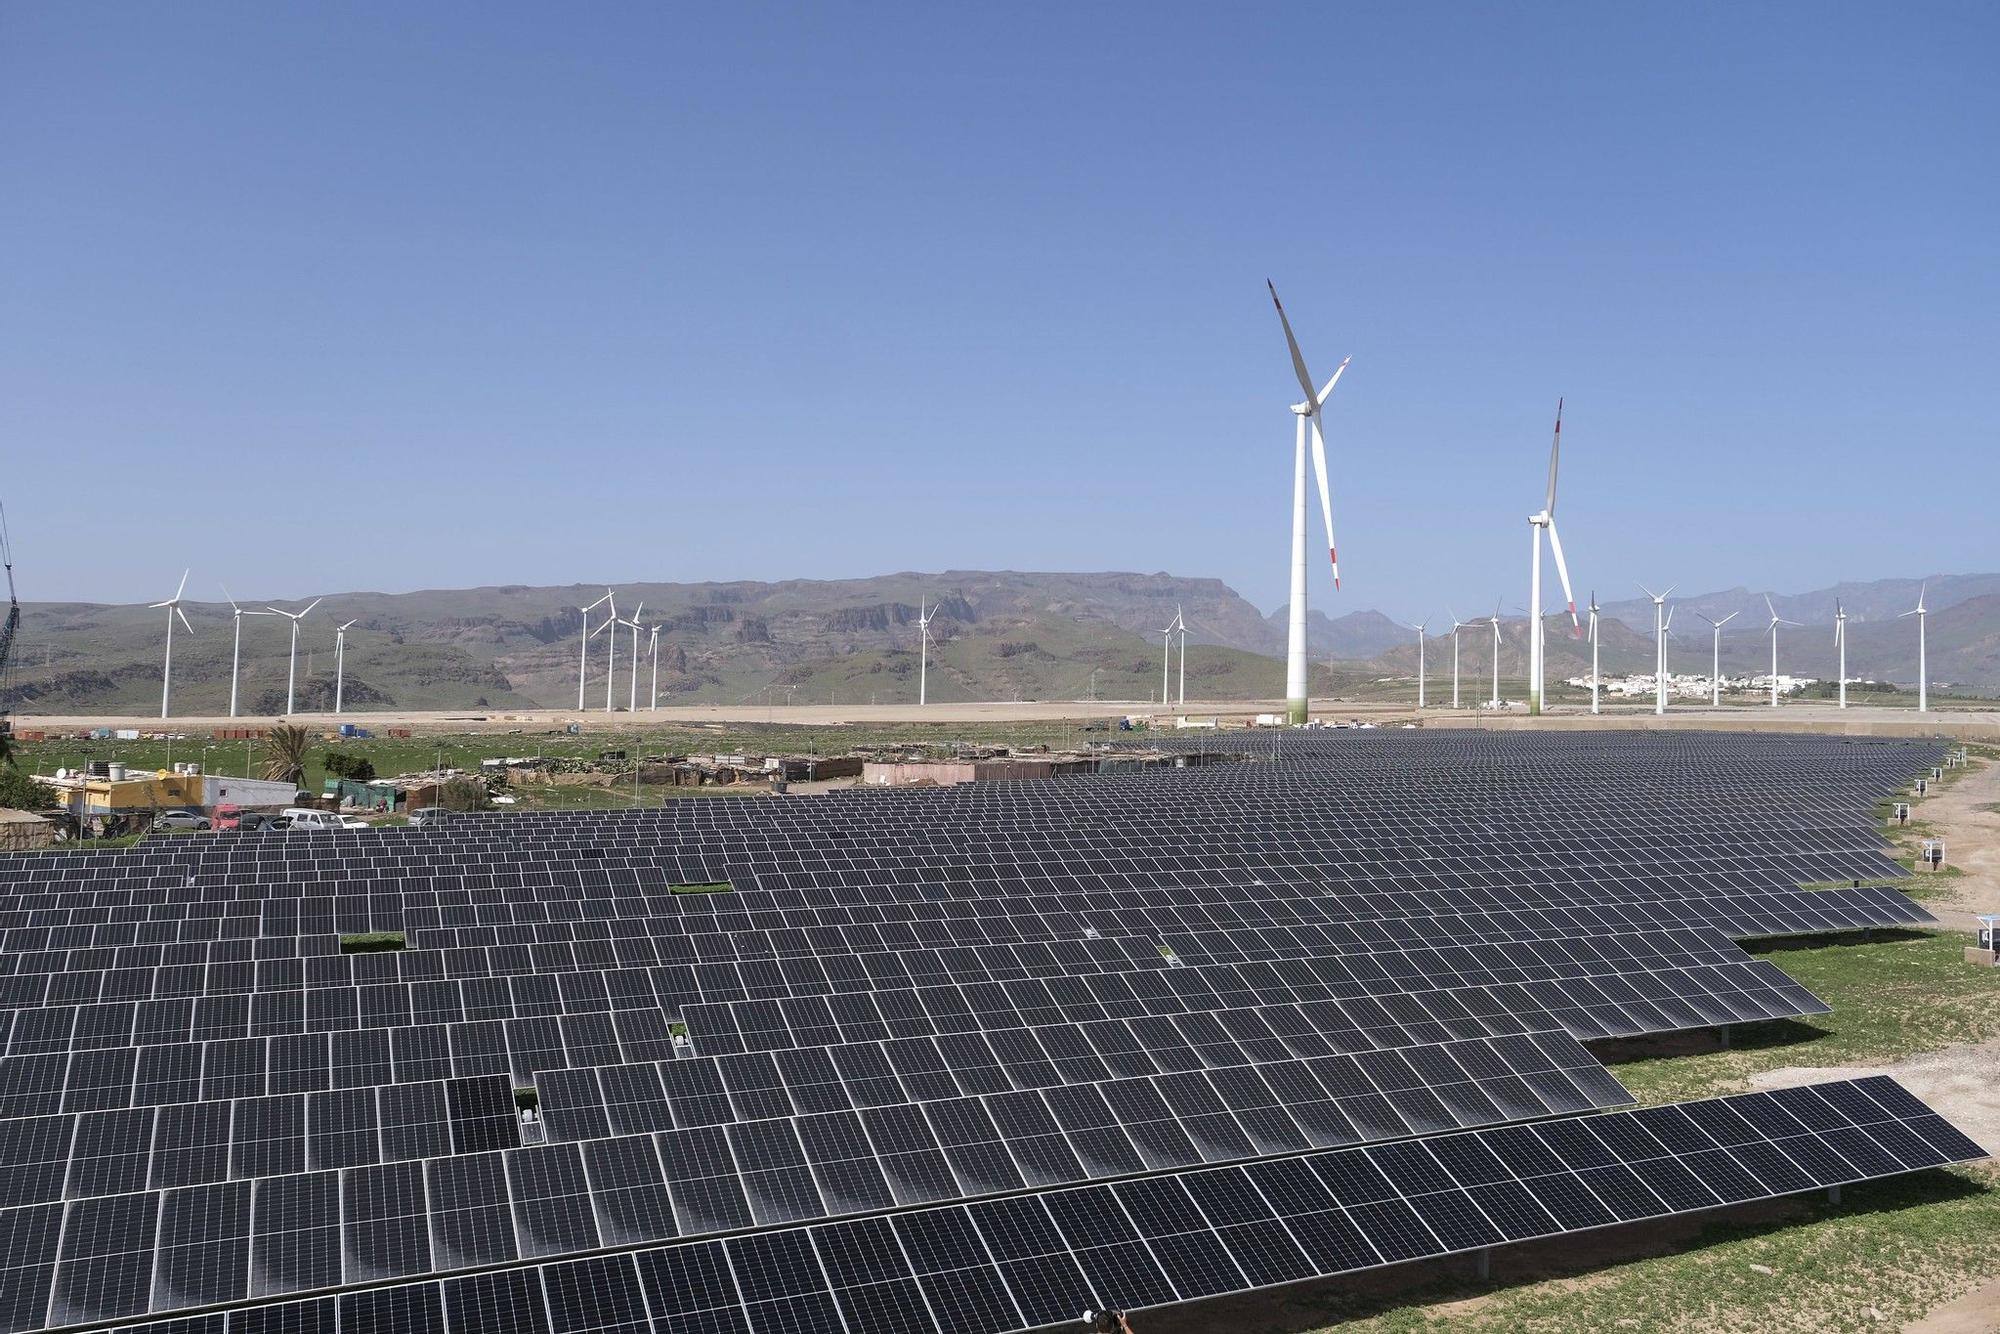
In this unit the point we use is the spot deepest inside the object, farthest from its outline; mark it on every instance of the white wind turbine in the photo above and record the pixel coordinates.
(1307, 412)
(1167, 656)
(1456, 626)
(1923, 666)
(1840, 643)
(632, 706)
(340, 662)
(610, 623)
(1536, 523)
(1593, 650)
(1715, 656)
(173, 607)
(1419, 628)
(1494, 619)
(292, 667)
(1659, 646)
(583, 647)
(1776, 621)
(925, 615)
(236, 656)
(1181, 621)
(654, 637)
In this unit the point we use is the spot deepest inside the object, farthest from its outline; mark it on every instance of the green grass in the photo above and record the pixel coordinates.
(1902, 993)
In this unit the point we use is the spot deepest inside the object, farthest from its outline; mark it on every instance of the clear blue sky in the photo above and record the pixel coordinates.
(395, 296)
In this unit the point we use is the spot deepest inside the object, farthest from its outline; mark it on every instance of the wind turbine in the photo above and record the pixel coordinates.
(1659, 647)
(1536, 523)
(1167, 653)
(1308, 411)
(583, 647)
(633, 705)
(1715, 656)
(1840, 643)
(1593, 650)
(1419, 628)
(1495, 620)
(925, 615)
(340, 662)
(1923, 667)
(236, 657)
(610, 648)
(1776, 621)
(292, 667)
(1181, 621)
(654, 707)
(173, 607)
(1456, 626)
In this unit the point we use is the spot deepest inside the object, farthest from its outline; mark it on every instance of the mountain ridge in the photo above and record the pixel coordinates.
(996, 635)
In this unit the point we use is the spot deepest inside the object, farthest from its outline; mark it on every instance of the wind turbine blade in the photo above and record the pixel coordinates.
(1650, 593)
(1298, 361)
(1768, 607)
(310, 605)
(1325, 497)
(225, 593)
(155, 606)
(1327, 392)
(184, 618)
(183, 588)
(1562, 571)
(1555, 453)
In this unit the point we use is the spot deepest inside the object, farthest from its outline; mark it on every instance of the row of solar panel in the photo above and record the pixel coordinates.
(47, 1158)
(1000, 1264)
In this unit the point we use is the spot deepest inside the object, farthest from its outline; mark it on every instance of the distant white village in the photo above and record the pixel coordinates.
(1694, 686)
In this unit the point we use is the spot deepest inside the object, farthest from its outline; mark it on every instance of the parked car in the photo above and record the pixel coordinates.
(353, 822)
(253, 821)
(429, 815)
(304, 817)
(180, 820)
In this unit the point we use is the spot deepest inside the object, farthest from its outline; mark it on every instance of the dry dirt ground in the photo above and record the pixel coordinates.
(1972, 725)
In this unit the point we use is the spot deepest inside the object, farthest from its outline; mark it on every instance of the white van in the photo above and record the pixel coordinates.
(301, 817)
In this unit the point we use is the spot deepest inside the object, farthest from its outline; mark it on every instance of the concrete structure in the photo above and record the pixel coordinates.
(24, 831)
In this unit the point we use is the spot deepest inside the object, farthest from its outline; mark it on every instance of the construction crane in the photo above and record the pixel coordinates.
(12, 623)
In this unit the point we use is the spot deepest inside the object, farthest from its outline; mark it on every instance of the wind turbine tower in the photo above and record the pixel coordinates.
(1923, 666)
(1536, 523)
(583, 647)
(1419, 628)
(1715, 656)
(1659, 647)
(1494, 619)
(1840, 643)
(236, 655)
(1593, 651)
(1456, 626)
(1776, 621)
(1309, 417)
(925, 615)
(292, 663)
(654, 707)
(340, 663)
(632, 706)
(173, 609)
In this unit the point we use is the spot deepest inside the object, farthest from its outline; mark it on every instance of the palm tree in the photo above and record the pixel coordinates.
(285, 748)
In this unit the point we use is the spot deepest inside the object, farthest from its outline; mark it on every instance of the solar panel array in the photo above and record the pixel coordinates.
(970, 1058)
